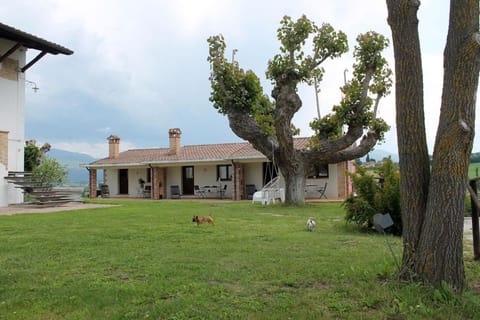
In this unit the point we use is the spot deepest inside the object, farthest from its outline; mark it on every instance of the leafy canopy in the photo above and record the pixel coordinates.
(293, 62)
(236, 90)
(267, 124)
(371, 75)
(50, 172)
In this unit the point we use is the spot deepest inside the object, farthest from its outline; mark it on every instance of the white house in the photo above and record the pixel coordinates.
(13, 66)
(228, 170)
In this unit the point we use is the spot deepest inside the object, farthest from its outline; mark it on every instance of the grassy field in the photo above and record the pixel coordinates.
(474, 170)
(147, 260)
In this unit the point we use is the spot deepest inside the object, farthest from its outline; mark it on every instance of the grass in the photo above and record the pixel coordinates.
(146, 260)
(473, 169)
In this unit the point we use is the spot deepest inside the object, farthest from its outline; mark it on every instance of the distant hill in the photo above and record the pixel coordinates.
(72, 160)
(379, 155)
(475, 157)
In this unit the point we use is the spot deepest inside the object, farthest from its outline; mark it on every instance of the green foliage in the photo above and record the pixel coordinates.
(31, 157)
(236, 90)
(359, 211)
(376, 193)
(388, 199)
(293, 63)
(355, 109)
(50, 172)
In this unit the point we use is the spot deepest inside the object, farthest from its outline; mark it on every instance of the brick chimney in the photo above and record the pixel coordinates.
(174, 138)
(113, 146)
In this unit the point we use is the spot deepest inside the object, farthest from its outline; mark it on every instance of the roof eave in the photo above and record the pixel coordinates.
(30, 41)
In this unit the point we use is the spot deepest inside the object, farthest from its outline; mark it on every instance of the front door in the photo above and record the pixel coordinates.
(123, 181)
(187, 180)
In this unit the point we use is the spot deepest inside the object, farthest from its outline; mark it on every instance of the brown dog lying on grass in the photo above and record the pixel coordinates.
(199, 220)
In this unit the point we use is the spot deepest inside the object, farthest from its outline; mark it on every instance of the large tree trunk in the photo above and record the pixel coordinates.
(440, 254)
(411, 136)
(294, 174)
(434, 250)
(290, 161)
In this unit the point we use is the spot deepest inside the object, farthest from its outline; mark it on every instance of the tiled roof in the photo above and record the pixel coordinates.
(30, 41)
(193, 153)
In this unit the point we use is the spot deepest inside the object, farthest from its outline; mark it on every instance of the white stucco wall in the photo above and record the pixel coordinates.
(332, 186)
(12, 119)
(111, 179)
(254, 174)
(205, 175)
(174, 177)
(134, 188)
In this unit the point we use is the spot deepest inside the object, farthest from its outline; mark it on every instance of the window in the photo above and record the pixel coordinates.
(224, 172)
(318, 171)
(188, 172)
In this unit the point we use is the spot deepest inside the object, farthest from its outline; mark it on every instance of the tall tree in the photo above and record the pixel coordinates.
(433, 199)
(33, 155)
(268, 125)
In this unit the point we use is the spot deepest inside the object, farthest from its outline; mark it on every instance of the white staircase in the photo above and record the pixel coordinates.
(270, 193)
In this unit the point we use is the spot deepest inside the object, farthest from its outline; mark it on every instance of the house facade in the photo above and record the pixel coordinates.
(227, 171)
(13, 66)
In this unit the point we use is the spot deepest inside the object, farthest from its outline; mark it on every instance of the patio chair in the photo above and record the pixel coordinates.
(147, 190)
(223, 191)
(199, 192)
(250, 190)
(104, 191)
(175, 192)
(322, 191)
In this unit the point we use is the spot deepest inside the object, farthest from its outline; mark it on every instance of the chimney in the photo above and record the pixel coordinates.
(113, 146)
(174, 138)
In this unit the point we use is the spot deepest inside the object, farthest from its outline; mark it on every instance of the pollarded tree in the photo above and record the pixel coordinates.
(33, 155)
(433, 199)
(268, 125)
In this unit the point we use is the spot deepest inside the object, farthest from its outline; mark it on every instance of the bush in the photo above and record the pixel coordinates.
(50, 172)
(359, 211)
(377, 192)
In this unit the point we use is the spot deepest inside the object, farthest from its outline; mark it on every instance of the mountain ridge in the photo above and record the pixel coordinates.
(72, 161)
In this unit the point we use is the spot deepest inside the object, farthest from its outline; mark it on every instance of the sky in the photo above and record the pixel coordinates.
(140, 67)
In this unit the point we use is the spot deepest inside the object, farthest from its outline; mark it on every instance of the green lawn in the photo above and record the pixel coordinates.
(474, 170)
(146, 260)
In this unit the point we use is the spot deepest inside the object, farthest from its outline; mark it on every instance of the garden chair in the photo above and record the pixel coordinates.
(322, 191)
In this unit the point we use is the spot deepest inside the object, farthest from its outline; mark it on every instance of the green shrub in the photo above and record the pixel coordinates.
(377, 191)
(359, 211)
(50, 172)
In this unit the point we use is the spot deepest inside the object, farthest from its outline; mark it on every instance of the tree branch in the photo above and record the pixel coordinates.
(354, 152)
(244, 126)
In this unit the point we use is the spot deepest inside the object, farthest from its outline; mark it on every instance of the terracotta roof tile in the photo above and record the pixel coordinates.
(192, 153)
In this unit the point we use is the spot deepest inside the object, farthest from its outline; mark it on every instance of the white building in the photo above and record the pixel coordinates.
(13, 66)
(227, 171)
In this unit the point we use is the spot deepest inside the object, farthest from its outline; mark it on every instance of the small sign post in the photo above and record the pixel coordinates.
(382, 222)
